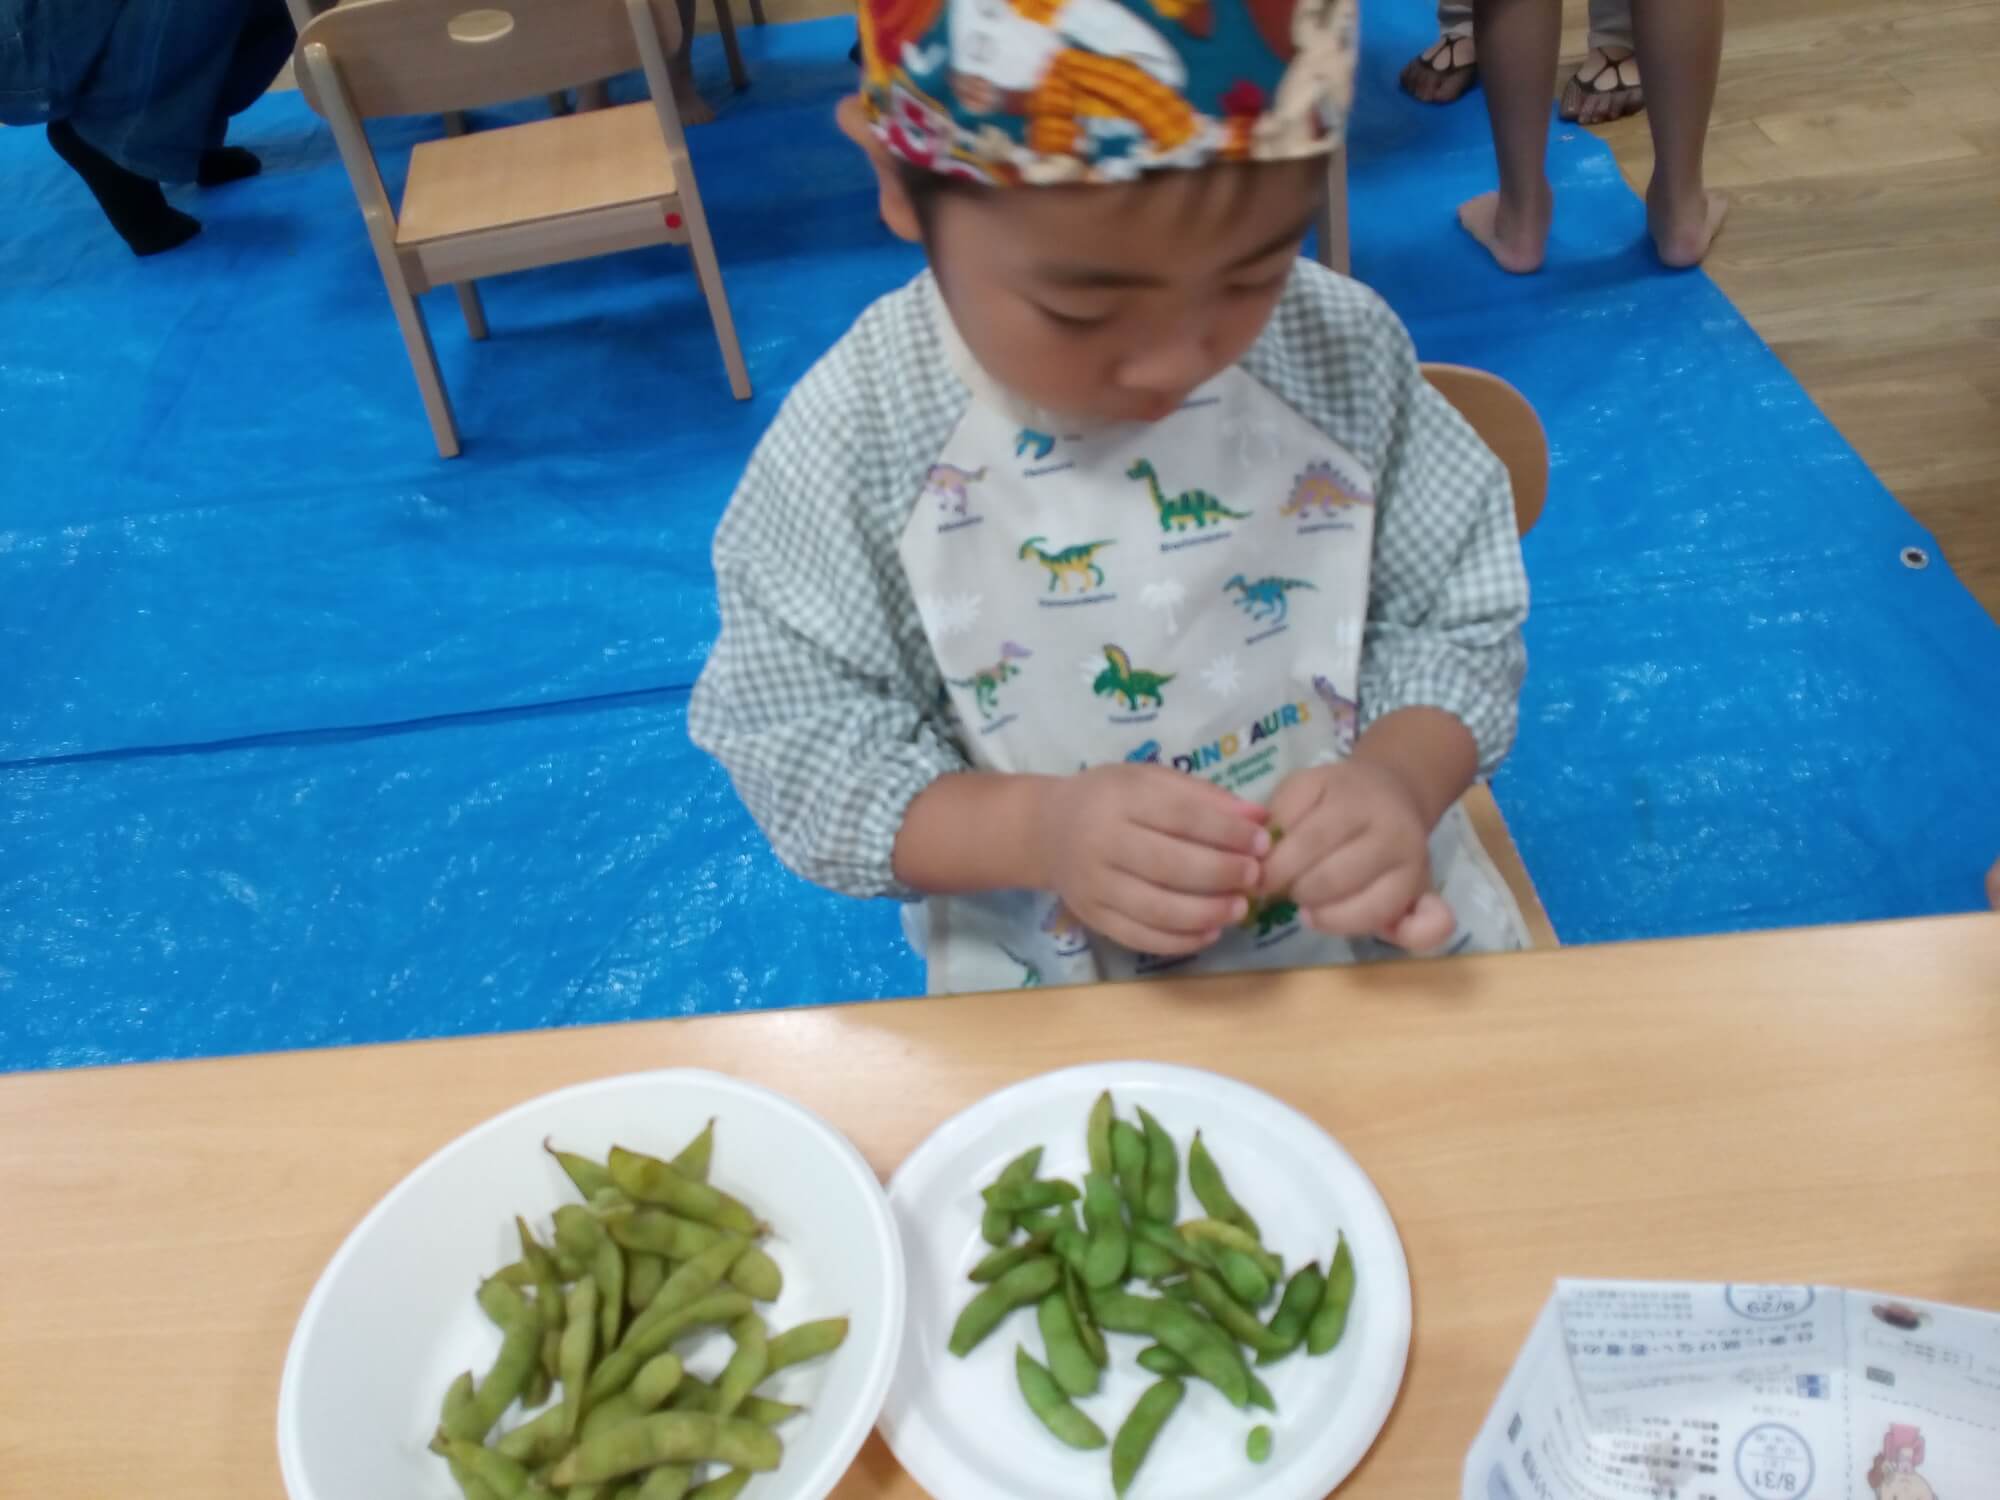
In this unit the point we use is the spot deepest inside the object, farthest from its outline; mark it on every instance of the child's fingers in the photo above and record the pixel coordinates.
(1201, 813)
(1426, 926)
(1310, 843)
(1178, 865)
(1294, 800)
(1146, 905)
(1374, 909)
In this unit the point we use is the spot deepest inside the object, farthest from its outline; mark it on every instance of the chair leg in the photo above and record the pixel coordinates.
(708, 274)
(1332, 222)
(469, 304)
(423, 364)
(559, 104)
(757, 12)
(593, 95)
(454, 122)
(725, 20)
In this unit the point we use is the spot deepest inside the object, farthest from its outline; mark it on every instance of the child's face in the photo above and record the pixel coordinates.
(1113, 303)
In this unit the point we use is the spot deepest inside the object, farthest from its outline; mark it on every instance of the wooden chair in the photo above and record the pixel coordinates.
(523, 195)
(1507, 423)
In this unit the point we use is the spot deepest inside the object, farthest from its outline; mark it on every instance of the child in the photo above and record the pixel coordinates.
(1122, 540)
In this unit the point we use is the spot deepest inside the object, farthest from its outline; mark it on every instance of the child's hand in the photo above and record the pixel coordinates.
(1157, 860)
(1355, 856)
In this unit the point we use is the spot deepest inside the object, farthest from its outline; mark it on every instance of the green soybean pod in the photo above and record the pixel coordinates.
(1072, 1246)
(1246, 1280)
(1303, 1294)
(1024, 1284)
(1097, 1136)
(540, 1383)
(1163, 1171)
(589, 1177)
(1169, 1241)
(1046, 1220)
(1128, 1156)
(1330, 1322)
(670, 1437)
(644, 1275)
(470, 1484)
(995, 1226)
(806, 1341)
(494, 1469)
(1220, 1236)
(657, 1232)
(691, 1280)
(1087, 1331)
(658, 1379)
(668, 1482)
(1257, 1448)
(747, 1366)
(537, 1442)
(647, 1179)
(1149, 1262)
(1211, 1354)
(1180, 1290)
(579, 1342)
(457, 1397)
(508, 1376)
(617, 1368)
(1051, 1406)
(723, 1486)
(1212, 1192)
(693, 1162)
(1110, 1248)
(608, 1271)
(1024, 1197)
(1075, 1371)
(578, 1233)
(998, 1263)
(1137, 1433)
(757, 1275)
(1260, 1394)
(1231, 1316)
(1157, 1359)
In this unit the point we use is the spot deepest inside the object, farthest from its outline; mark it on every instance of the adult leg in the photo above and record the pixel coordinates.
(1681, 41)
(1606, 84)
(1517, 42)
(1446, 69)
(262, 48)
(680, 69)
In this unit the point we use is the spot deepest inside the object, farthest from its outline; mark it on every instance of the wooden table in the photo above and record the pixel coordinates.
(1799, 1107)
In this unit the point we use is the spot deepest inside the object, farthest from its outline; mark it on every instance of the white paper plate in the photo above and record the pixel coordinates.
(393, 1318)
(959, 1426)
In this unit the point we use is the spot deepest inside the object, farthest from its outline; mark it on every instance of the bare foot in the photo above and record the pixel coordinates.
(1683, 233)
(1517, 240)
(1442, 72)
(1605, 87)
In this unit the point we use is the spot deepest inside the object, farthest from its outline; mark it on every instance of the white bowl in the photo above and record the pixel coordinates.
(393, 1318)
(960, 1426)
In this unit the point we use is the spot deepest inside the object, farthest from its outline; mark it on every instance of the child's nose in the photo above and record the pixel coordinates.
(1176, 360)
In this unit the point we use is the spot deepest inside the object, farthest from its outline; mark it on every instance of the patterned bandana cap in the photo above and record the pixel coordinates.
(1048, 91)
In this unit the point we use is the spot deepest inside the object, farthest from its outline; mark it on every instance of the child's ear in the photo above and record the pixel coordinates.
(898, 212)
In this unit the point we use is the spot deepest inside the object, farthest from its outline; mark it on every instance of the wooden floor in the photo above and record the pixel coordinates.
(1860, 141)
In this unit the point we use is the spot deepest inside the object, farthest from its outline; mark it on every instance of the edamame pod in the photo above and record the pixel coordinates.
(1087, 1330)
(1072, 1245)
(1330, 1322)
(1024, 1197)
(1246, 1280)
(1136, 1435)
(1230, 1315)
(1073, 1369)
(520, 1346)
(1109, 1249)
(1303, 1294)
(671, 1437)
(499, 1473)
(1207, 1350)
(668, 1482)
(724, 1486)
(1149, 1262)
(1157, 1359)
(999, 1262)
(1029, 1282)
(1163, 1170)
(588, 1177)
(996, 1226)
(1213, 1193)
(579, 1342)
(1051, 1407)
(693, 1162)
(1128, 1156)
(1223, 1236)
(747, 1365)
(618, 1367)
(807, 1341)
(647, 1179)
(1097, 1136)
(608, 1271)
(693, 1279)
(539, 1442)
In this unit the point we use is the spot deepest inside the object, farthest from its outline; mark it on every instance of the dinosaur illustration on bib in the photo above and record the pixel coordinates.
(1071, 563)
(1264, 599)
(1189, 508)
(1134, 684)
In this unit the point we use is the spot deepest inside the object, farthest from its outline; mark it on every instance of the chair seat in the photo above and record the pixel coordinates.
(523, 174)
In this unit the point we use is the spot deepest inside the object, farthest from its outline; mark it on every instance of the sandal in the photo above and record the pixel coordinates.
(1609, 85)
(1440, 74)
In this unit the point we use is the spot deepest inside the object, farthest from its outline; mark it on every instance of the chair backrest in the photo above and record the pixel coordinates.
(426, 57)
(1507, 424)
